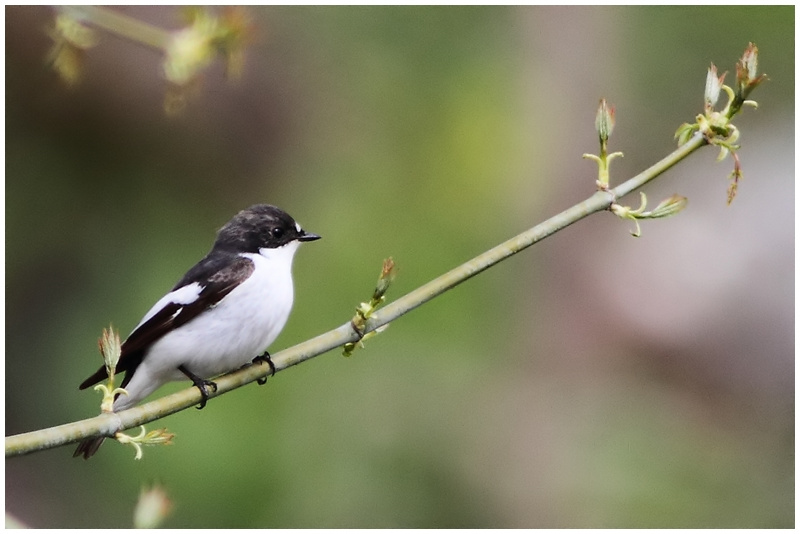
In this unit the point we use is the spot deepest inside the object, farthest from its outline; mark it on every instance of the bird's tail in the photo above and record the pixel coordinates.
(88, 447)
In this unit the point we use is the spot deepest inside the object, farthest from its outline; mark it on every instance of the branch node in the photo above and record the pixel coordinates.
(365, 310)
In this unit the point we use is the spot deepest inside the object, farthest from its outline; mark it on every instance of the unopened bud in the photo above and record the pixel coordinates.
(604, 121)
(385, 279)
(713, 86)
(153, 507)
(110, 349)
(747, 77)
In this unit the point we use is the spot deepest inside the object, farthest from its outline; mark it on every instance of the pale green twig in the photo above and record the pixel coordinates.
(119, 24)
(110, 423)
(691, 138)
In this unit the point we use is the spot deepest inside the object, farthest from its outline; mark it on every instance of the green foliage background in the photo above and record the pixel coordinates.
(593, 381)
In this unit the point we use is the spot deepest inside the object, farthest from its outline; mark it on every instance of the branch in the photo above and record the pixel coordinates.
(110, 423)
(118, 24)
(186, 52)
(712, 128)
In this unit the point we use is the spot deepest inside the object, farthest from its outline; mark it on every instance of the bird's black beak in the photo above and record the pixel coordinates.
(308, 236)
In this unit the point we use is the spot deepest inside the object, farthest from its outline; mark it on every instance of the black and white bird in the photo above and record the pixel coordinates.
(224, 312)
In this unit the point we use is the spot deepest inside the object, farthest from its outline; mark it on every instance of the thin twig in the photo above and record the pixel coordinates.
(109, 424)
(119, 24)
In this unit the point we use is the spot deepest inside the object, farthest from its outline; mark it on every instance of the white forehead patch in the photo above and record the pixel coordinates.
(297, 225)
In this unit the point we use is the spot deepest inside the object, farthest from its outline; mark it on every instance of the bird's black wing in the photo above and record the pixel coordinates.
(217, 276)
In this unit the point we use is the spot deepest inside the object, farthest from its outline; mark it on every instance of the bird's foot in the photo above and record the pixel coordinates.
(205, 386)
(264, 358)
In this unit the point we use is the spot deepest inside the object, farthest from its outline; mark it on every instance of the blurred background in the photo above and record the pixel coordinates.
(594, 380)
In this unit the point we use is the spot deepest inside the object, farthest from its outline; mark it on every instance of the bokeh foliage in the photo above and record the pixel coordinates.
(529, 397)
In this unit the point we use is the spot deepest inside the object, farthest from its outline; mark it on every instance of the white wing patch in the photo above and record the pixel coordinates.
(184, 295)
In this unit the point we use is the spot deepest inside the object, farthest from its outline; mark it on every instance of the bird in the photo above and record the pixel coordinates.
(223, 314)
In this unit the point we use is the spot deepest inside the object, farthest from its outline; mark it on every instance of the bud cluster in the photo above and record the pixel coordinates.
(715, 126)
(365, 310)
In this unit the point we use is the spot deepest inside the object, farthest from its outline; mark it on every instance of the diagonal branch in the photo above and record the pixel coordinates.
(110, 423)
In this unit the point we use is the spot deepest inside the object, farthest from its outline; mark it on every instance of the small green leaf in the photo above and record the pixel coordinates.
(668, 207)
(684, 133)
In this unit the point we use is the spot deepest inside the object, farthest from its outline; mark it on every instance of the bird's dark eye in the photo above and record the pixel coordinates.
(277, 233)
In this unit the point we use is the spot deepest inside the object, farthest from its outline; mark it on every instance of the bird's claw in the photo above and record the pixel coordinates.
(203, 386)
(264, 358)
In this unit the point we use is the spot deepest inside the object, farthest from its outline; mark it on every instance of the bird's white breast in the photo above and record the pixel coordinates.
(237, 329)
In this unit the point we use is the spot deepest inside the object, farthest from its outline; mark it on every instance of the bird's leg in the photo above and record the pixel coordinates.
(264, 358)
(201, 384)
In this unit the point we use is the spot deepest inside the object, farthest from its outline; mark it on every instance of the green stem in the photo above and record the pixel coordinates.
(109, 424)
(695, 142)
(118, 24)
